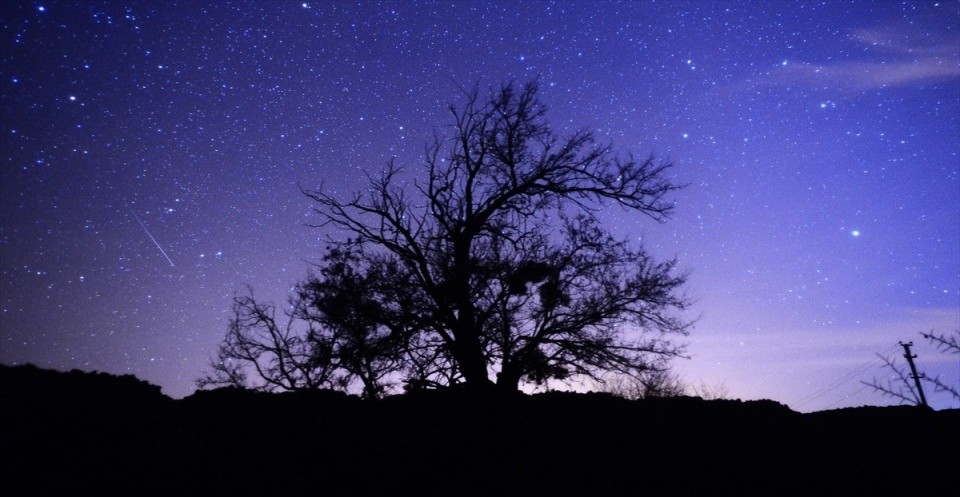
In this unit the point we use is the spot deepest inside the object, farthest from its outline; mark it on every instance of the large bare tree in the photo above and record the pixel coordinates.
(500, 270)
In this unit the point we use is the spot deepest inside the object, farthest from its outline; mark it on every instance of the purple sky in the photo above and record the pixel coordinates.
(151, 153)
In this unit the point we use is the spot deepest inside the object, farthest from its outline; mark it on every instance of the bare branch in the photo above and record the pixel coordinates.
(900, 387)
(949, 344)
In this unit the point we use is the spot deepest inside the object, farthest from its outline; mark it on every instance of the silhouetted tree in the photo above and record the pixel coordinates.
(494, 265)
(347, 298)
(290, 353)
(498, 263)
(902, 385)
(334, 332)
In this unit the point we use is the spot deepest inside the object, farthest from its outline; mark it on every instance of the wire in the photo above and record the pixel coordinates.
(843, 379)
(841, 399)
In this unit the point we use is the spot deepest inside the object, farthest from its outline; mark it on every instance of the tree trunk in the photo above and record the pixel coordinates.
(508, 379)
(467, 351)
(470, 358)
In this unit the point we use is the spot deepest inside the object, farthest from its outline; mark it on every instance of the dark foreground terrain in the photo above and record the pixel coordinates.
(97, 434)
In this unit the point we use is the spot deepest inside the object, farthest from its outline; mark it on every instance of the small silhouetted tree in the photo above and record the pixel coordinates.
(330, 335)
(263, 352)
(491, 267)
(902, 385)
(346, 297)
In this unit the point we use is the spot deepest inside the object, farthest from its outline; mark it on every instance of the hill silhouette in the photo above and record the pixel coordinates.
(93, 432)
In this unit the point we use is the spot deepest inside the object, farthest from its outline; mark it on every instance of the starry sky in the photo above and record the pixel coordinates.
(151, 155)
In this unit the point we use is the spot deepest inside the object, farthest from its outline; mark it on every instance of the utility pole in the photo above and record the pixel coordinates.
(913, 369)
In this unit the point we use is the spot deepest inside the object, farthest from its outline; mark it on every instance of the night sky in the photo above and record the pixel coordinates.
(152, 151)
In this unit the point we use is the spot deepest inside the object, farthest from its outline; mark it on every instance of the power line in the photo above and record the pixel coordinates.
(841, 399)
(843, 379)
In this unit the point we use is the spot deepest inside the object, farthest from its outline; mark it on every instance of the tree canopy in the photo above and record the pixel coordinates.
(492, 267)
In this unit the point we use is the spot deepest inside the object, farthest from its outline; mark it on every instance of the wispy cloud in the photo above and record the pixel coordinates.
(813, 368)
(901, 62)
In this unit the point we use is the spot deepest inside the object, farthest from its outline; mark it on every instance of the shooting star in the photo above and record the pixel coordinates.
(154, 240)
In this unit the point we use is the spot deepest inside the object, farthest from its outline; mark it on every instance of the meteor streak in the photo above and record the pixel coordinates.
(154, 240)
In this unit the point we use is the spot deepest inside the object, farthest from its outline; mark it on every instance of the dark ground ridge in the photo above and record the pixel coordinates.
(95, 432)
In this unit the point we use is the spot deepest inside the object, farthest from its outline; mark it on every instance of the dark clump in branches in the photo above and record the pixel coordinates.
(491, 268)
